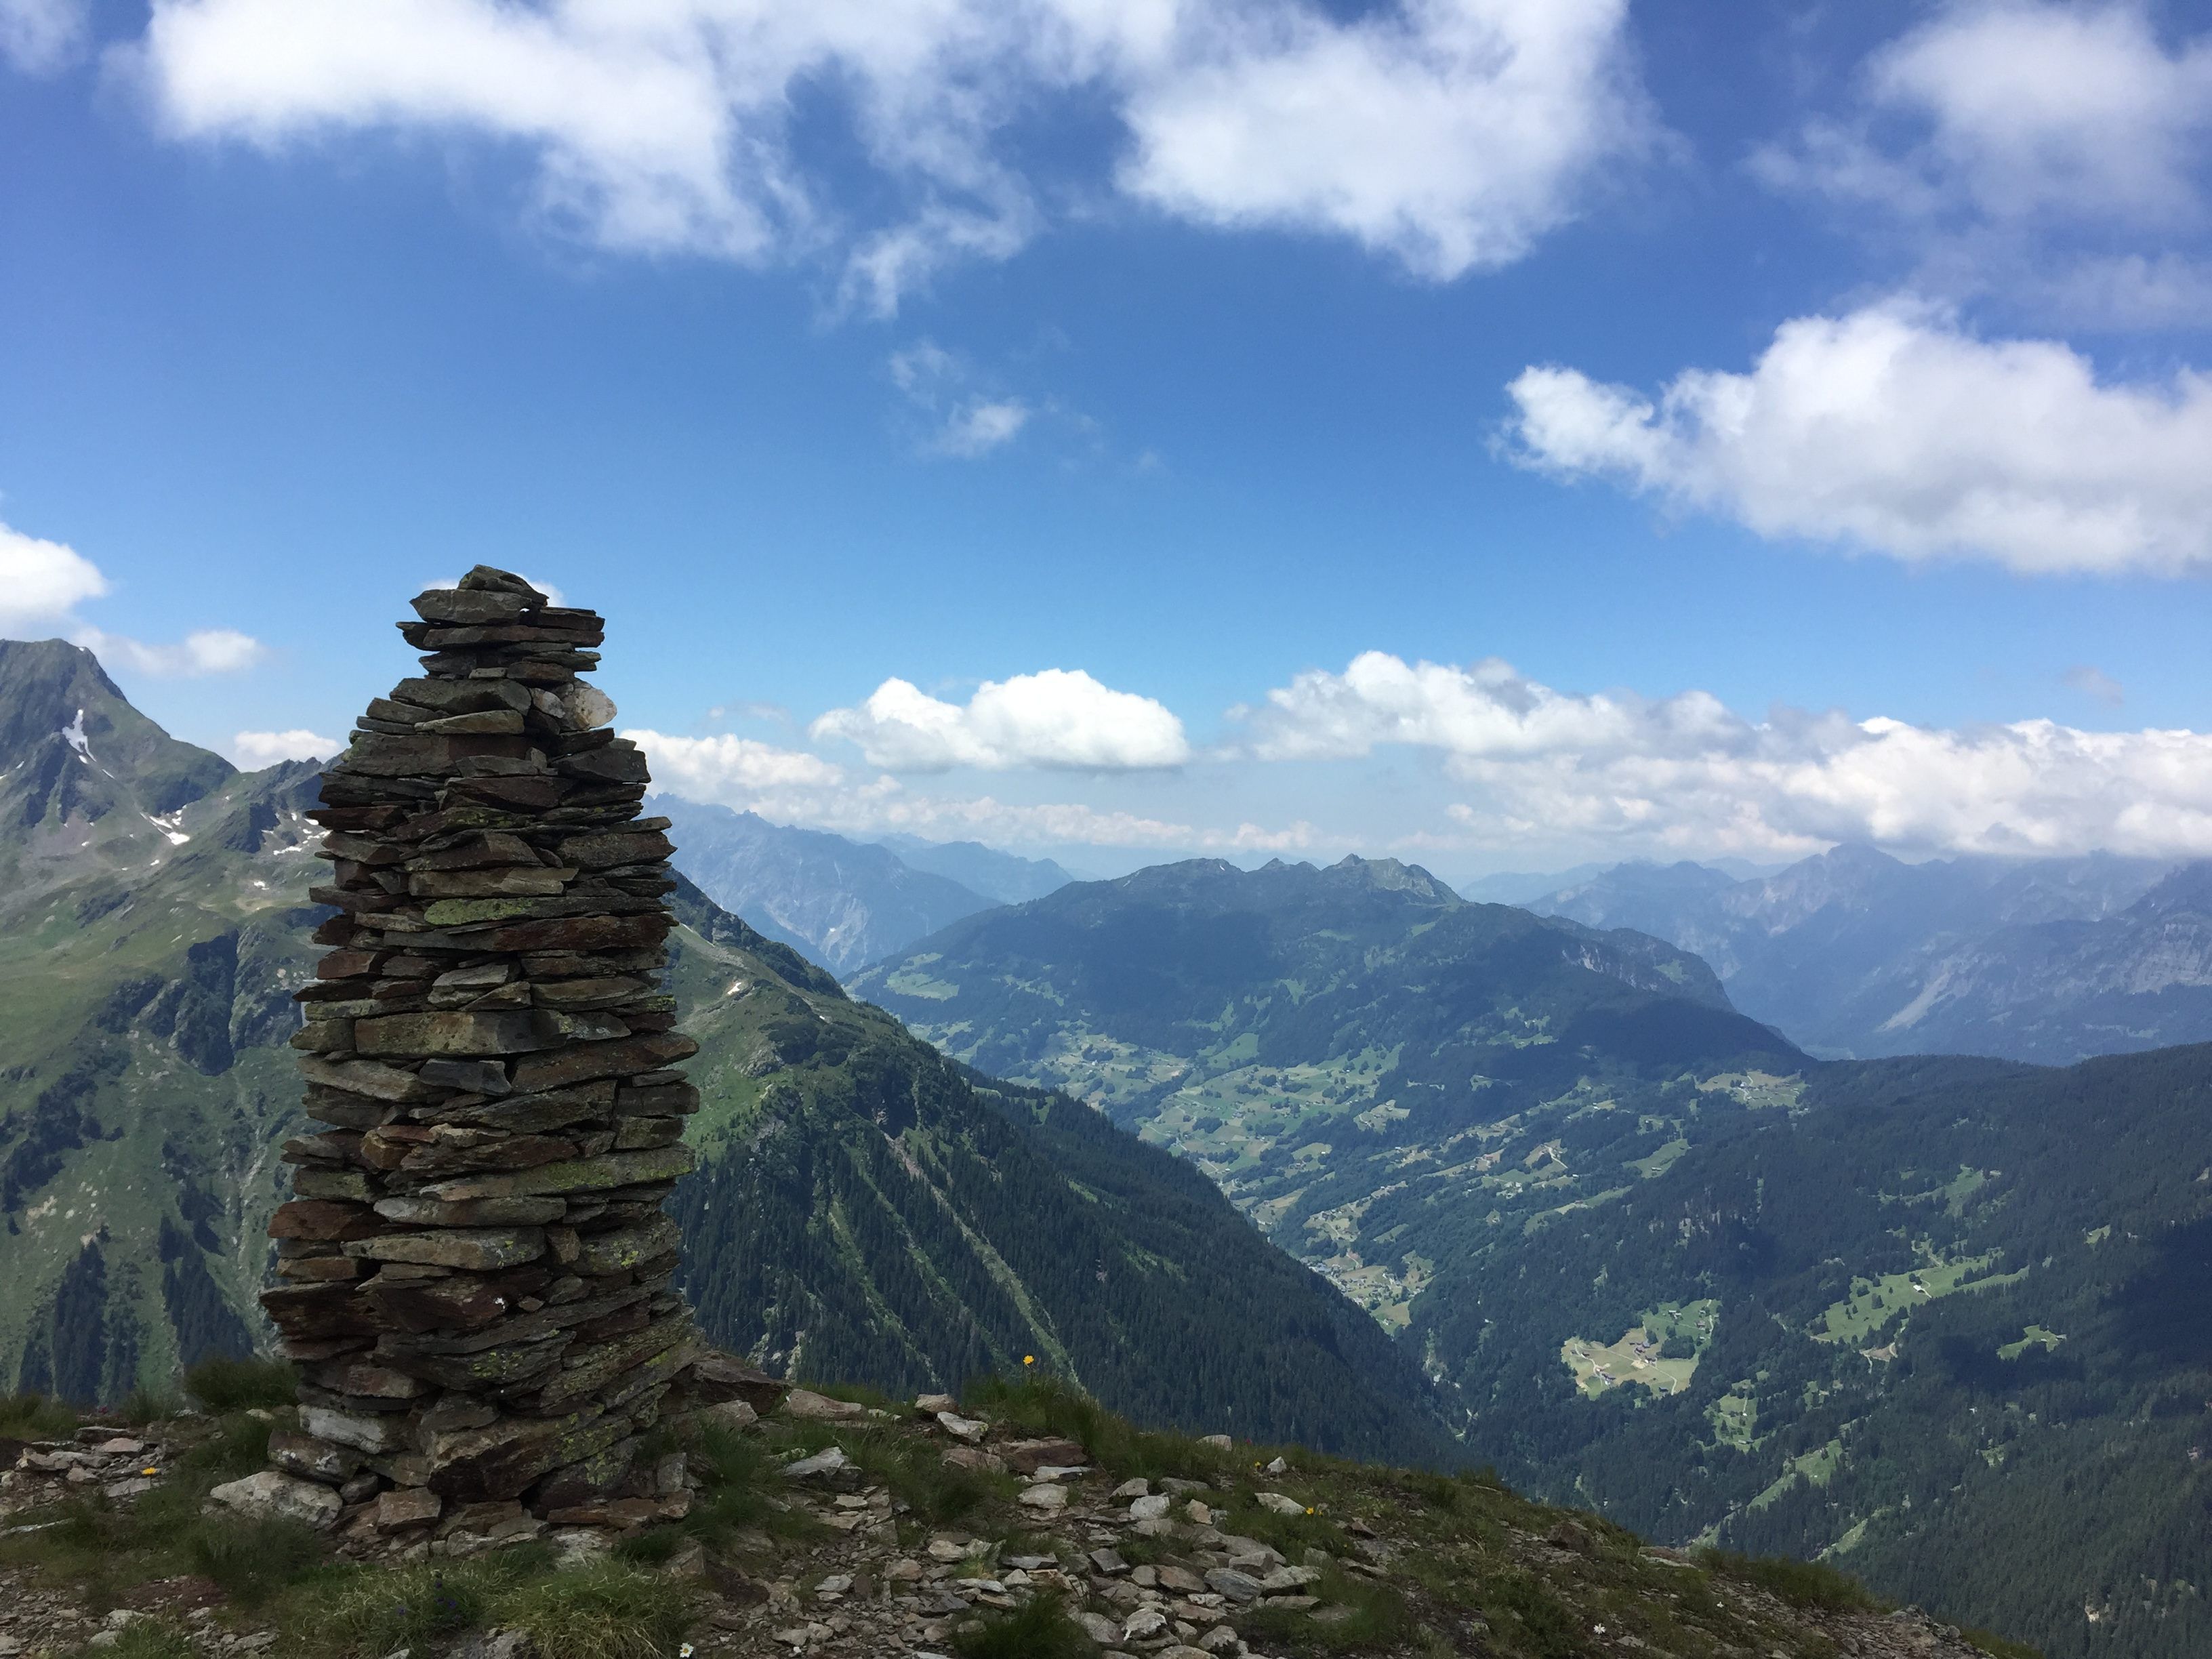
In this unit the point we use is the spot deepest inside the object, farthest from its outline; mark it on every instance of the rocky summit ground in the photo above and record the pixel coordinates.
(1023, 1523)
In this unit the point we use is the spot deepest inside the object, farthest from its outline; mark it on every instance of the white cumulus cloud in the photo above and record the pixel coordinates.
(1057, 718)
(42, 583)
(1448, 134)
(255, 750)
(1893, 429)
(1686, 775)
(2015, 109)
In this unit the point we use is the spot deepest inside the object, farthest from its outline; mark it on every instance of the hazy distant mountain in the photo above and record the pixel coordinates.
(844, 903)
(1000, 876)
(1520, 886)
(1856, 952)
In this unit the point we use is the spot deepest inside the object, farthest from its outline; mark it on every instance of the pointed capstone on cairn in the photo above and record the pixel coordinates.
(476, 1274)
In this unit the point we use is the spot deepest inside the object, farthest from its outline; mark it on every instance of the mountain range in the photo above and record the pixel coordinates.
(845, 903)
(1853, 953)
(1594, 1218)
(1941, 1320)
(866, 1212)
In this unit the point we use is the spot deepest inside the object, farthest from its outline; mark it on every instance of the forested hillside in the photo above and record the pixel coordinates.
(1930, 1317)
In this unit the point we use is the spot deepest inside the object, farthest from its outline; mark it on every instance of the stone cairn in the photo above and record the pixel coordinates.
(476, 1279)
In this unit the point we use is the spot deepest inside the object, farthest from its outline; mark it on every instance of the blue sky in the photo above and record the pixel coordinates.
(1231, 391)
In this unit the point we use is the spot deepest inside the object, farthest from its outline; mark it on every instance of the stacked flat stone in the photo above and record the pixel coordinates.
(476, 1276)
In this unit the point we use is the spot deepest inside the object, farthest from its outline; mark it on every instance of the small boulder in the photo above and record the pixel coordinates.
(730, 1414)
(1232, 1585)
(271, 1495)
(1280, 1505)
(805, 1403)
(831, 1466)
(1149, 1508)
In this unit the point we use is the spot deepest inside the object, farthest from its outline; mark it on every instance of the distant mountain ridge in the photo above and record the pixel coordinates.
(844, 903)
(1002, 877)
(1293, 1030)
(1855, 953)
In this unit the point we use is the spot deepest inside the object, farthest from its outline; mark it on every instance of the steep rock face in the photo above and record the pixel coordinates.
(842, 902)
(2059, 991)
(86, 781)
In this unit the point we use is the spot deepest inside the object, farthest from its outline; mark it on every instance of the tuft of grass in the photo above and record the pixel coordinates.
(143, 1638)
(737, 1476)
(1521, 1608)
(612, 1611)
(1998, 1647)
(656, 1547)
(1435, 1490)
(145, 1405)
(252, 1560)
(35, 1417)
(936, 1492)
(1810, 1584)
(1293, 1534)
(1049, 1405)
(1039, 1629)
(370, 1611)
(1363, 1617)
(236, 1385)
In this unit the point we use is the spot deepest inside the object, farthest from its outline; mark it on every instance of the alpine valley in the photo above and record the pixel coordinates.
(1943, 1321)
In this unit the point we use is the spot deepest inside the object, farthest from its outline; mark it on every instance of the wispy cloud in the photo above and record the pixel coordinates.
(38, 37)
(2053, 154)
(793, 786)
(964, 421)
(2093, 682)
(1446, 135)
